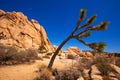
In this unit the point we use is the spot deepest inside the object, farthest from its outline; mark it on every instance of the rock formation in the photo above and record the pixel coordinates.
(19, 31)
(76, 51)
(73, 50)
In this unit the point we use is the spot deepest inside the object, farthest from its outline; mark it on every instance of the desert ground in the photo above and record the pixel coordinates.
(28, 71)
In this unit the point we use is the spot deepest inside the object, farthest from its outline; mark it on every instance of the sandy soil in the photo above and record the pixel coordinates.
(27, 71)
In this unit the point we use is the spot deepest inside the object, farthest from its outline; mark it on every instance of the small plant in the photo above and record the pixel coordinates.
(42, 49)
(49, 54)
(104, 68)
(106, 78)
(70, 56)
(70, 74)
(103, 62)
(59, 54)
(84, 63)
(101, 58)
(118, 62)
(118, 76)
(46, 56)
(44, 73)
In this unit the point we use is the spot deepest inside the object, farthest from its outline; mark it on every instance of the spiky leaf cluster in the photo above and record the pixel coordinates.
(86, 31)
(98, 47)
(91, 20)
(83, 12)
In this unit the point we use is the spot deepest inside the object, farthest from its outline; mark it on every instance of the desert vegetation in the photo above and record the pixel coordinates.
(14, 55)
(82, 69)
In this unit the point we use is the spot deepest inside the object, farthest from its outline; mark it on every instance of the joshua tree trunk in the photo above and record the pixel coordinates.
(57, 51)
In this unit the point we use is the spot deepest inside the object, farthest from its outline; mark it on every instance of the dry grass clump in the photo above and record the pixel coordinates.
(44, 73)
(68, 74)
(70, 56)
(84, 63)
(117, 62)
(46, 56)
(13, 55)
(103, 62)
(49, 53)
(118, 76)
(102, 58)
(106, 78)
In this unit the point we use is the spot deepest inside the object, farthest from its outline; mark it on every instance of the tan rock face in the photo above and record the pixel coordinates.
(76, 51)
(21, 32)
(73, 50)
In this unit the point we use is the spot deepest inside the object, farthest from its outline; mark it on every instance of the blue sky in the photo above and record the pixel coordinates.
(59, 17)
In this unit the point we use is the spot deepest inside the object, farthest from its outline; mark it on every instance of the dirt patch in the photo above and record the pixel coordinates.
(27, 71)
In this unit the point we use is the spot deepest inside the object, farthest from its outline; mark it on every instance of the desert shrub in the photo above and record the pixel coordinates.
(104, 68)
(103, 64)
(46, 56)
(44, 73)
(106, 78)
(69, 74)
(25, 55)
(49, 54)
(42, 49)
(101, 58)
(59, 54)
(118, 62)
(14, 55)
(84, 63)
(70, 56)
(118, 76)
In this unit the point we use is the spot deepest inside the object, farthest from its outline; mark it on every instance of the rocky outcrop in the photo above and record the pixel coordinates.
(21, 32)
(73, 51)
(76, 51)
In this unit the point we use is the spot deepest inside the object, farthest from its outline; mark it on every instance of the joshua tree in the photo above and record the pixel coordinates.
(85, 31)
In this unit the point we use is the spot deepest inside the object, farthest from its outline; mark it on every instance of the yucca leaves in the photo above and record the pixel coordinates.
(102, 26)
(98, 47)
(91, 20)
(87, 34)
(101, 46)
(83, 13)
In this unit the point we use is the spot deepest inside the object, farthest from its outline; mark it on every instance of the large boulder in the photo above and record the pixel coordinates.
(21, 32)
(76, 51)
(73, 51)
